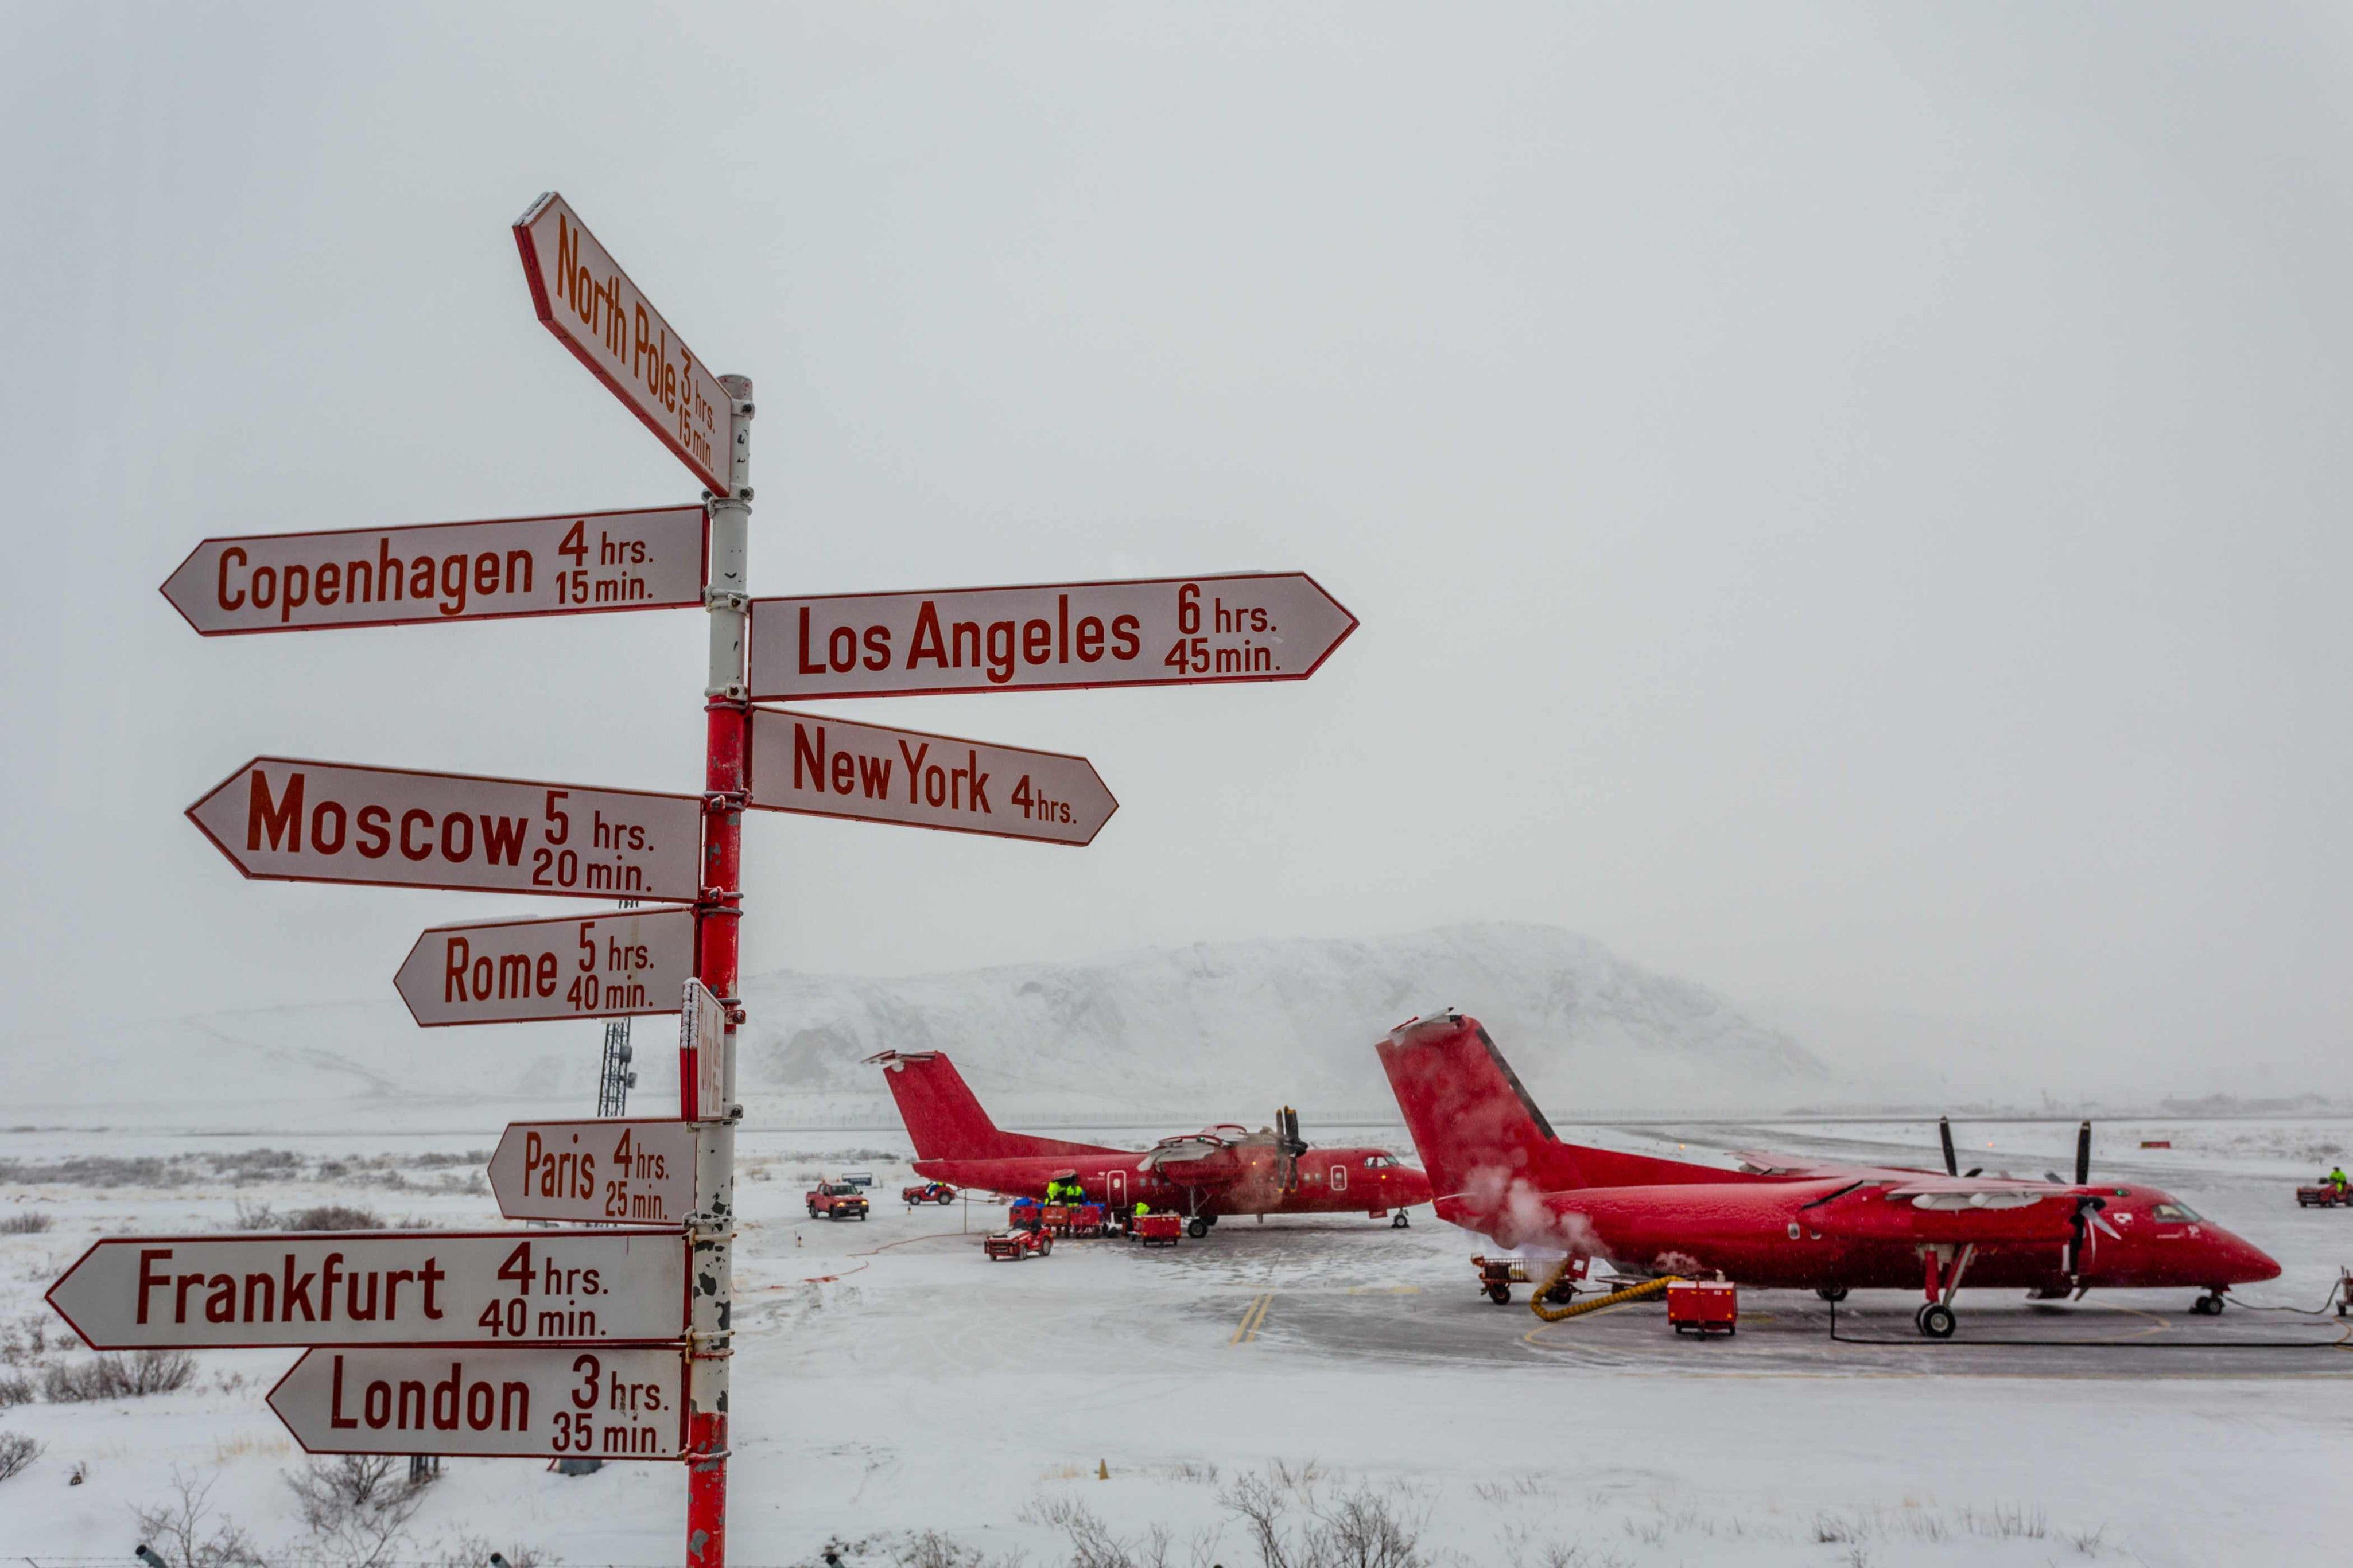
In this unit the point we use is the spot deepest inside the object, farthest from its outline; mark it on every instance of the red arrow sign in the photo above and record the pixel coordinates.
(611, 1402)
(413, 1288)
(1169, 631)
(567, 563)
(829, 767)
(513, 972)
(294, 821)
(588, 302)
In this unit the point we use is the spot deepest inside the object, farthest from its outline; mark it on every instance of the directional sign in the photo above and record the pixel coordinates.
(293, 821)
(702, 1040)
(567, 563)
(589, 303)
(611, 1402)
(511, 972)
(419, 1287)
(829, 767)
(629, 1171)
(1169, 631)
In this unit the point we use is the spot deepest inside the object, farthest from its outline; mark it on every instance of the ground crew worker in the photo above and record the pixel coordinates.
(2337, 1180)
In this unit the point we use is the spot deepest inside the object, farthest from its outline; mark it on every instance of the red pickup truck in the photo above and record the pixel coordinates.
(837, 1200)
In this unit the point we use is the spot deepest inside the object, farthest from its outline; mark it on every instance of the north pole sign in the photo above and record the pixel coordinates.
(829, 767)
(513, 972)
(417, 1288)
(629, 1171)
(1168, 631)
(610, 1403)
(567, 564)
(287, 820)
(582, 295)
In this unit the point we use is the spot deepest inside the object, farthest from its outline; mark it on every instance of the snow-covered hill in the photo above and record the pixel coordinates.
(1233, 1029)
(1160, 1037)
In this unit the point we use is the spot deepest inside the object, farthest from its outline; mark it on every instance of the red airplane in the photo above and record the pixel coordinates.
(1221, 1169)
(1498, 1169)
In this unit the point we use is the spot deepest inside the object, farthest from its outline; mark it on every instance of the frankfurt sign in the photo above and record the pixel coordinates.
(369, 1288)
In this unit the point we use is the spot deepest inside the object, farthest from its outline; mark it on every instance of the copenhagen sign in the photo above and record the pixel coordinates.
(564, 565)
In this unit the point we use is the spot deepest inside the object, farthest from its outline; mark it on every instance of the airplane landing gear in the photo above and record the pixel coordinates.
(1398, 1223)
(1197, 1227)
(1936, 1321)
(1831, 1292)
(2208, 1305)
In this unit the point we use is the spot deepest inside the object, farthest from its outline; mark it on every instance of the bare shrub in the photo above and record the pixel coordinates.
(357, 1506)
(32, 1222)
(15, 1388)
(254, 1216)
(25, 1340)
(17, 1451)
(333, 1217)
(127, 1376)
(1365, 1527)
(183, 1533)
(474, 1551)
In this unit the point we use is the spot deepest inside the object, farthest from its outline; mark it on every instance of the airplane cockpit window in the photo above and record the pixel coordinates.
(2177, 1213)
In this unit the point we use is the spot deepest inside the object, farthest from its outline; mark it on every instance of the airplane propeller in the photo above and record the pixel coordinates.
(1287, 1146)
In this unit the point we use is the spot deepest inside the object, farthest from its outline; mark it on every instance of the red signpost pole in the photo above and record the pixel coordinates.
(717, 918)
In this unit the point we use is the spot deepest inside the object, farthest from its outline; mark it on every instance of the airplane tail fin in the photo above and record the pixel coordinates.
(1476, 1128)
(944, 1119)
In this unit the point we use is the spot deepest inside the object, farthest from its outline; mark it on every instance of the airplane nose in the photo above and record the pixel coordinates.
(2251, 1264)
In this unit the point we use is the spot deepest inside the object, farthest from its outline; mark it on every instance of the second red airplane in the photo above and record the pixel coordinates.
(1221, 1169)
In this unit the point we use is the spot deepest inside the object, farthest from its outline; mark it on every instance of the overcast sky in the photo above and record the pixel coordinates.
(1844, 504)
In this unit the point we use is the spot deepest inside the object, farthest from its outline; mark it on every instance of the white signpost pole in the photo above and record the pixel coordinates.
(711, 1229)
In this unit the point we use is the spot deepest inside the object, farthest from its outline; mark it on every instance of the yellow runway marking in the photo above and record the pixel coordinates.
(1254, 1317)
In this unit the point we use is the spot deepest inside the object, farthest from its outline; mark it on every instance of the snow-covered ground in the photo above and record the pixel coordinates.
(890, 1382)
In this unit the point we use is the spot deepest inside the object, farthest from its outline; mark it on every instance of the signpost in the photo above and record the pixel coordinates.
(285, 820)
(610, 1403)
(565, 564)
(389, 1288)
(615, 1342)
(824, 766)
(513, 972)
(625, 1171)
(588, 302)
(1170, 631)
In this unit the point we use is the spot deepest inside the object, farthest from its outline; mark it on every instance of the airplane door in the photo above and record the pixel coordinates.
(1339, 1178)
(1117, 1182)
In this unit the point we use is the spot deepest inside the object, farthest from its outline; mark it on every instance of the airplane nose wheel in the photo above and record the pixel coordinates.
(1398, 1223)
(1831, 1292)
(2207, 1306)
(1936, 1321)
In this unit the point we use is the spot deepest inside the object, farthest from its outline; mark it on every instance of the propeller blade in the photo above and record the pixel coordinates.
(2084, 1155)
(2053, 1178)
(1944, 1131)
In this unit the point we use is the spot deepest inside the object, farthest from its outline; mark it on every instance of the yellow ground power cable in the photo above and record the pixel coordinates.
(1642, 1293)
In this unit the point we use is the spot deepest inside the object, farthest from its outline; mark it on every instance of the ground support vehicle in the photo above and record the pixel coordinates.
(1016, 1244)
(836, 1200)
(1498, 1275)
(2324, 1196)
(1159, 1229)
(1703, 1307)
(928, 1192)
(1074, 1219)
